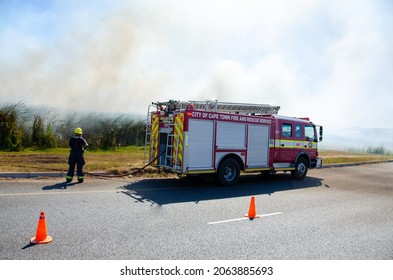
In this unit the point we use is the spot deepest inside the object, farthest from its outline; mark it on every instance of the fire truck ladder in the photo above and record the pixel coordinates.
(147, 151)
(239, 108)
(172, 149)
(215, 106)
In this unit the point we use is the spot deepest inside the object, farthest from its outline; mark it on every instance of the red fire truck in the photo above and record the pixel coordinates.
(198, 137)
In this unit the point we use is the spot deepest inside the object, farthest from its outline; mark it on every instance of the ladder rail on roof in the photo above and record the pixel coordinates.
(216, 106)
(235, 107)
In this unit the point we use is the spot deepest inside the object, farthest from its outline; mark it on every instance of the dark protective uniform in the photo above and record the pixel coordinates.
(78, 145)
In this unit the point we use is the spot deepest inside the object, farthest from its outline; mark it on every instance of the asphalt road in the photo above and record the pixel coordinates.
(335, 213)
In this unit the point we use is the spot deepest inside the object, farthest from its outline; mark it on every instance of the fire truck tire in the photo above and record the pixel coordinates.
(228, 172)
(301, 168)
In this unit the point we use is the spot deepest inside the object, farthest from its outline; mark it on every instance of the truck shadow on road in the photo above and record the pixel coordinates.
(170, 190)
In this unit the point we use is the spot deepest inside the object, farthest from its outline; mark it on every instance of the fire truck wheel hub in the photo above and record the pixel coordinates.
(229, 173)
(301, 168)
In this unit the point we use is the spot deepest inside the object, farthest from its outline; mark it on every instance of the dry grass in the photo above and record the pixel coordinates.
(117, 161)
(333, 157)
(123, 160)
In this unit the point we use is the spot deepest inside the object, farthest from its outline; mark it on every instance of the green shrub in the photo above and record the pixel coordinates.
(11, 134)
(43, 137)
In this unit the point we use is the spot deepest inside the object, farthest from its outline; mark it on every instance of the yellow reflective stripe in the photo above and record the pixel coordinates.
(178, 138)
(284, 168)
(291, 144)
(154, 136)
(257, 169)
(200, 171)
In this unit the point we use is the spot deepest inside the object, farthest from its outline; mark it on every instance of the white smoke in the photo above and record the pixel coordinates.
(329, 60)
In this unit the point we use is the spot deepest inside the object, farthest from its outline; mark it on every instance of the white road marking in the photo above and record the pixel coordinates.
(245, 218)
(58, 192)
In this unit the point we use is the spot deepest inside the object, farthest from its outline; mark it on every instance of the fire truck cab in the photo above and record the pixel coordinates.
(198, 137)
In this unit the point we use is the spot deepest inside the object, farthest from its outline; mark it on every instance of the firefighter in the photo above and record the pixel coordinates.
(78, 145)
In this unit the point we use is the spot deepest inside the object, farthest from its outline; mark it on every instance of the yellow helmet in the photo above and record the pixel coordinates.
(78, 131)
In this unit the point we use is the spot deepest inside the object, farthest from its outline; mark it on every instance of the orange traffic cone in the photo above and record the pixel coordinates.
(41, 237)
(252, 213)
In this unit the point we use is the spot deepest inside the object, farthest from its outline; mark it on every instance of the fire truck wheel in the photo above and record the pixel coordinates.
(301, 168)
(228, 172)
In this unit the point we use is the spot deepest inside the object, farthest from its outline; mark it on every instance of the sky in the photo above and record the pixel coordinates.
(328, 60)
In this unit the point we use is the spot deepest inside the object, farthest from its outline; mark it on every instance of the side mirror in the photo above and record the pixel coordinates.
(320, 133)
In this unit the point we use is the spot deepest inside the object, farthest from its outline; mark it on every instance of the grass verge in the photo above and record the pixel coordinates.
(117, 161)
(337, 157)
